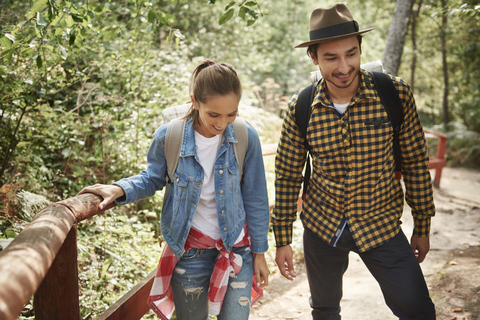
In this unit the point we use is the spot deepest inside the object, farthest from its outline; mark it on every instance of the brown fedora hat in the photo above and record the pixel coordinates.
(331, 24)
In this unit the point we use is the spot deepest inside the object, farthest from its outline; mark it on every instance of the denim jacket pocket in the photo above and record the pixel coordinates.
(235, 175)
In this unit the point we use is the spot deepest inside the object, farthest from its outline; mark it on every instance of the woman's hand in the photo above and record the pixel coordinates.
(108, 192)
(261, 269)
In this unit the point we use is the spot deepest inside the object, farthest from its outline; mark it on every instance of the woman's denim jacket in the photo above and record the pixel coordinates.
(237, 202)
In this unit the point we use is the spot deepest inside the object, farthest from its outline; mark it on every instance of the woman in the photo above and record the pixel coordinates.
(215, 222)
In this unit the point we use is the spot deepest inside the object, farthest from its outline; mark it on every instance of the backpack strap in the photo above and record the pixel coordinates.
(240, 148)
(174, 138)
(303, 111)
(173, 145)
(394, 108)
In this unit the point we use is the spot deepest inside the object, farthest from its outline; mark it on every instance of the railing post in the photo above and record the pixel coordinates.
(57, 295)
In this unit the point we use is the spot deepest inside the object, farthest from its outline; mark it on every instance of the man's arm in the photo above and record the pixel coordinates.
(416, 174)
(289, 163)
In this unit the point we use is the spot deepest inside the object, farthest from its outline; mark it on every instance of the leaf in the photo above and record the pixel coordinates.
(151, 16)
(250, 22)
(212, 1)
(4, 42)
(105, 267)
(71, 41)
(241, 12)
(226, 17)
(63, 52)
(231, 4)
(10, 234)
(39, 62)
(77, 18)
(41, 20)
(37, 6)
(70, 21)
(11, 37)
(251, 3)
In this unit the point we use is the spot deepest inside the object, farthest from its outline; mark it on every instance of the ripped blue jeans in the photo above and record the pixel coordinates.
(191, 279)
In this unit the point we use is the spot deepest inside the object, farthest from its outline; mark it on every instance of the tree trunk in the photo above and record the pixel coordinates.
(443, 36)
(413, 31)
(392, 55)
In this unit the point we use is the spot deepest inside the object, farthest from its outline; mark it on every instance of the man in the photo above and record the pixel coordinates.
(353, 202)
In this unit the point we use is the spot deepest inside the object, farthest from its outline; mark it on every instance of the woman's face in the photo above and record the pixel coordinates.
(216, 114)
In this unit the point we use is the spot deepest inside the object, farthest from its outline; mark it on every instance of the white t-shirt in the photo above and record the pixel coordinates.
(205, 218)
(340, 107)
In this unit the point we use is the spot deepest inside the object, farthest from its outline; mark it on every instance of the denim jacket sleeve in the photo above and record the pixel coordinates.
(255, 195)
(151, 179)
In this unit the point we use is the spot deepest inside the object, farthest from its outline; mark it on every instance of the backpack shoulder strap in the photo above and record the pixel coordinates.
(394, 108)
(303, 110)
(173, 145)
(390, 99)
(240, 148)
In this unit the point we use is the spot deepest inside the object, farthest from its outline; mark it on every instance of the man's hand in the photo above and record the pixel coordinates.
(420, 246)
(260, 267)
(109, 193)
(284, 260)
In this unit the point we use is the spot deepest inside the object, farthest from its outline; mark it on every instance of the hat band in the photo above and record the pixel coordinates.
(334, 31)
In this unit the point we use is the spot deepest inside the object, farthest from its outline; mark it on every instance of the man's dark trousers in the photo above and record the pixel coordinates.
(393, 265)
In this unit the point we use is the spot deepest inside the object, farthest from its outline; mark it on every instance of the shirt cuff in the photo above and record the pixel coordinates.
(422, 227)
(283, 234)
(127, 198)
(259, 247)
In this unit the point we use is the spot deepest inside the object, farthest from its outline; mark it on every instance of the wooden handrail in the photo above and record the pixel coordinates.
(26, 261)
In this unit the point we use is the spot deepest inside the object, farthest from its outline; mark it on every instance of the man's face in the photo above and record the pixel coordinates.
(339, 61)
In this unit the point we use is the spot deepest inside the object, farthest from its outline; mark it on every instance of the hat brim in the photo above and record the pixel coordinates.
(309, 43)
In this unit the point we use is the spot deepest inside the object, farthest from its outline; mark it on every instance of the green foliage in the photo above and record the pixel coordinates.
(115, 252)
(463, 148)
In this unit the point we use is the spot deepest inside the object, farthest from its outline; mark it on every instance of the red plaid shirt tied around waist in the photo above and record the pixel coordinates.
(228, 265)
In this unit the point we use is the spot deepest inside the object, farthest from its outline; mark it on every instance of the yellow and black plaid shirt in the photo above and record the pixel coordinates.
(353, 176)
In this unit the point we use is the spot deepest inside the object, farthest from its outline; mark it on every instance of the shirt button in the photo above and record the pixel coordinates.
(178, 179)
(224, 228)
(223, 211)
(221, 171)
(229, 244)
(221, 191)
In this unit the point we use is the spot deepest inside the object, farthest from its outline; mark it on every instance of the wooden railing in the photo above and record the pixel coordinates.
(42, 260)
(438, 162)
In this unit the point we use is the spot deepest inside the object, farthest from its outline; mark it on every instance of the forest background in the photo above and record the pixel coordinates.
(83, 84)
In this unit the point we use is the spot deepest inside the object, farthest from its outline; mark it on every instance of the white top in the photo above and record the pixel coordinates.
(340, 107)
(205, 219)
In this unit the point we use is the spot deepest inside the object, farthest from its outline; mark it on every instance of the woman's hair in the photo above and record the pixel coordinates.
(213, 79)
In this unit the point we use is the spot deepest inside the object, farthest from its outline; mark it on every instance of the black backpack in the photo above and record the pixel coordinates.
(390, 100)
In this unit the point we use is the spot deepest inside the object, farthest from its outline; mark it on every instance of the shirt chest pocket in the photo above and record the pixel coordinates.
(374, 134)
(181, 187)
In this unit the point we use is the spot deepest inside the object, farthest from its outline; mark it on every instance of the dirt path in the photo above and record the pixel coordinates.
(452, 268)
